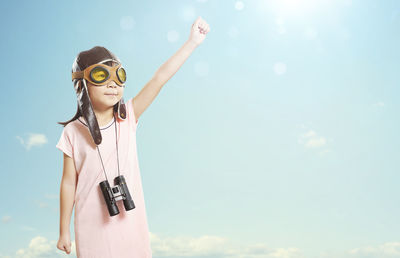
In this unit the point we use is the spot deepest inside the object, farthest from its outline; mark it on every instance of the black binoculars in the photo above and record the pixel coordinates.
(118, 192)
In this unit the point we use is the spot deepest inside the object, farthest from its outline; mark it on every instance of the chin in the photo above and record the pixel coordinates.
(109, 104)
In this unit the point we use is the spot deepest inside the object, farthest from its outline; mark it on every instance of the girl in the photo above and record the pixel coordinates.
(99, 144)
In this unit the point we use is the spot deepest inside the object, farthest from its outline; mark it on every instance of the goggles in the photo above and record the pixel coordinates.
(101, 74)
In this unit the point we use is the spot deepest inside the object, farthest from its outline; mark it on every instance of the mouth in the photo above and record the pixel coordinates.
(111, 94)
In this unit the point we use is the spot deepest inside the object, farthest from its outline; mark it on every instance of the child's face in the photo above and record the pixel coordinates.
(105, 96)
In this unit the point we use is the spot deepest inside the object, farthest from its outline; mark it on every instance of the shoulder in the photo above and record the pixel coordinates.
(129, 101)
(130, 107)
(72, 127)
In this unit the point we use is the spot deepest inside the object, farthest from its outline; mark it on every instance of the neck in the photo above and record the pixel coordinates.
(104, 116)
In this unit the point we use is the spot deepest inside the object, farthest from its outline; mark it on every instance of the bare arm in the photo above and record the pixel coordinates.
(67, 200)
(149, 92)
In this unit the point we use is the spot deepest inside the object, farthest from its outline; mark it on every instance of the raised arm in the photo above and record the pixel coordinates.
(148, 93)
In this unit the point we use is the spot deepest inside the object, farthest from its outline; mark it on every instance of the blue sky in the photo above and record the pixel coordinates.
(278, 137)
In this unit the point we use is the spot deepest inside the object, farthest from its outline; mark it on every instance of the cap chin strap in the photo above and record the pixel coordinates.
(121, 109)
(87, 111)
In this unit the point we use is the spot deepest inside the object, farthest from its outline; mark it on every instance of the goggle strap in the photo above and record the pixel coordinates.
(107, 60)
(77, 75)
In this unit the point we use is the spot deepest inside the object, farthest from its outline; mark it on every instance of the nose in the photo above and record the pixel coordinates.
(112, 85)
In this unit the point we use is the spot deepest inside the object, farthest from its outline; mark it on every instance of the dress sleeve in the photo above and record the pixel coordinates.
(131, 113)
(64, 143)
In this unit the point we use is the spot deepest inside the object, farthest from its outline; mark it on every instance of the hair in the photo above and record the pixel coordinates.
(82, 61)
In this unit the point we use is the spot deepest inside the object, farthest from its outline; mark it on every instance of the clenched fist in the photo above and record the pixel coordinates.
(64, 243)
(199, 30)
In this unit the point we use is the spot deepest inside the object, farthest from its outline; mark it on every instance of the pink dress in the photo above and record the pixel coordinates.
(97, 234)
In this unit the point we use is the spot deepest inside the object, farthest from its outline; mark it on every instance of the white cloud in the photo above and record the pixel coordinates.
(40, 247)
(6, 219)
(185, 246)
(34, 139)
(390, 249)
(180, 246)
(209, 246)
(309, 134)
(310, 139)
(315, 142)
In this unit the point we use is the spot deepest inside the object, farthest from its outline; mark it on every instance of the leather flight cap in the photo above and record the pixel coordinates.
(95, 55)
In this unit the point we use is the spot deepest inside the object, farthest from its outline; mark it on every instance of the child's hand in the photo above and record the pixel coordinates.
(199, 30)
(64, 243)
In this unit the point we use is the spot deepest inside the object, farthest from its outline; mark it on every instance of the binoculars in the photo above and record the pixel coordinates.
(118, 192)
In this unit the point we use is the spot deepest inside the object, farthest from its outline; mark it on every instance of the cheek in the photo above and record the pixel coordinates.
(95, 93)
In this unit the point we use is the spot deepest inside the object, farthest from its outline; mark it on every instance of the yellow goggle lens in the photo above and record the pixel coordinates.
(121, 74)
(99, 74)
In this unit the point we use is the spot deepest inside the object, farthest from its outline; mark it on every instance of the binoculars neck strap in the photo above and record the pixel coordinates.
(116, 144)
